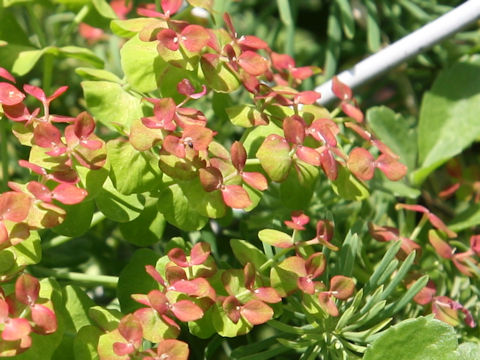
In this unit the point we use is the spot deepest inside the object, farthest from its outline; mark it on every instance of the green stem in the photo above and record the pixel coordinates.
(74, 24)
(158, 7)
(79, 278)
(59, 240)
(48, 60)
(42, 40)
(419, 227)
(287, 19)
(252, 162)
(4, 153)
(272, 260)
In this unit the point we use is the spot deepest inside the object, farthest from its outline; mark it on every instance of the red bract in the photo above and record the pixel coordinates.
(253, 63)
(239, 159)
(312, 268)
(186, 88)
(90, 33)
(299, 219)
(324, 235)
(131, 330)
(235, 196)
(170, 349)
(341, 90)
(434, 219)
(65, 193)
(440, 245)
(16, 329)
(193, 37)
(81, 133)
(14, 206)
(10, 95)
(6, 75)
(170, 7)
(475, 244)
(49, 137)
(465, 263)
(288, 72)
(198, 255)
(446, 309)
(362, 164)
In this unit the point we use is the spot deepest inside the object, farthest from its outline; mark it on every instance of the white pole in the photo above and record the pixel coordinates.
(403, 49)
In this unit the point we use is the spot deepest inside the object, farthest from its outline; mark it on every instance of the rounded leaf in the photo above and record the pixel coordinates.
(342, 287)
(27, 289)
(361, 163)
(185, 310)
(10, 95)
(236, 197)
(256, 312)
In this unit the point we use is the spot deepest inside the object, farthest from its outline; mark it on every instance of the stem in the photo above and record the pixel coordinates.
(74, 24)
(158, 7)
(252, 162)
(273, 259)
(59, 240)
(287, 19)
(79, 278)
(419, 227)
(4, 153)
(47, 73)
(42, 41)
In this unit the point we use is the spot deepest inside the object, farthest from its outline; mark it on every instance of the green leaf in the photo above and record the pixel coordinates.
(254, 137)
(77, 304)
(415, 339)
(347, 18)
(78, 219)
(132, 171)
(274, 156)
(141, 64)
(80, 53)
(92, 180)
(41, 344)
(246, 252)
(104, 9)
(348, 253)
(106, 319)
(219, 76)
(448, 116)
(97, 74)
(209, 204)
(176, 207)
(244, 115)
(348, 186)
(469, 351)
(110, 104)
(466, 219)
(275, 238)
(145, 230)
(86, 342)
(395, 132)
(135, 280)
(226, 327)
(116, 206)
(7, 3)
(373, 29)
(334, 35)
(26, 60)
(297, 190)
(130, 27)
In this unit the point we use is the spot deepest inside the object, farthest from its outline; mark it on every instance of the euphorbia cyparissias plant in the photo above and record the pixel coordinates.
(293, 139)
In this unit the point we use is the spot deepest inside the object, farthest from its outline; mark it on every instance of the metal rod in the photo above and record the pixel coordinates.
(405, 48)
